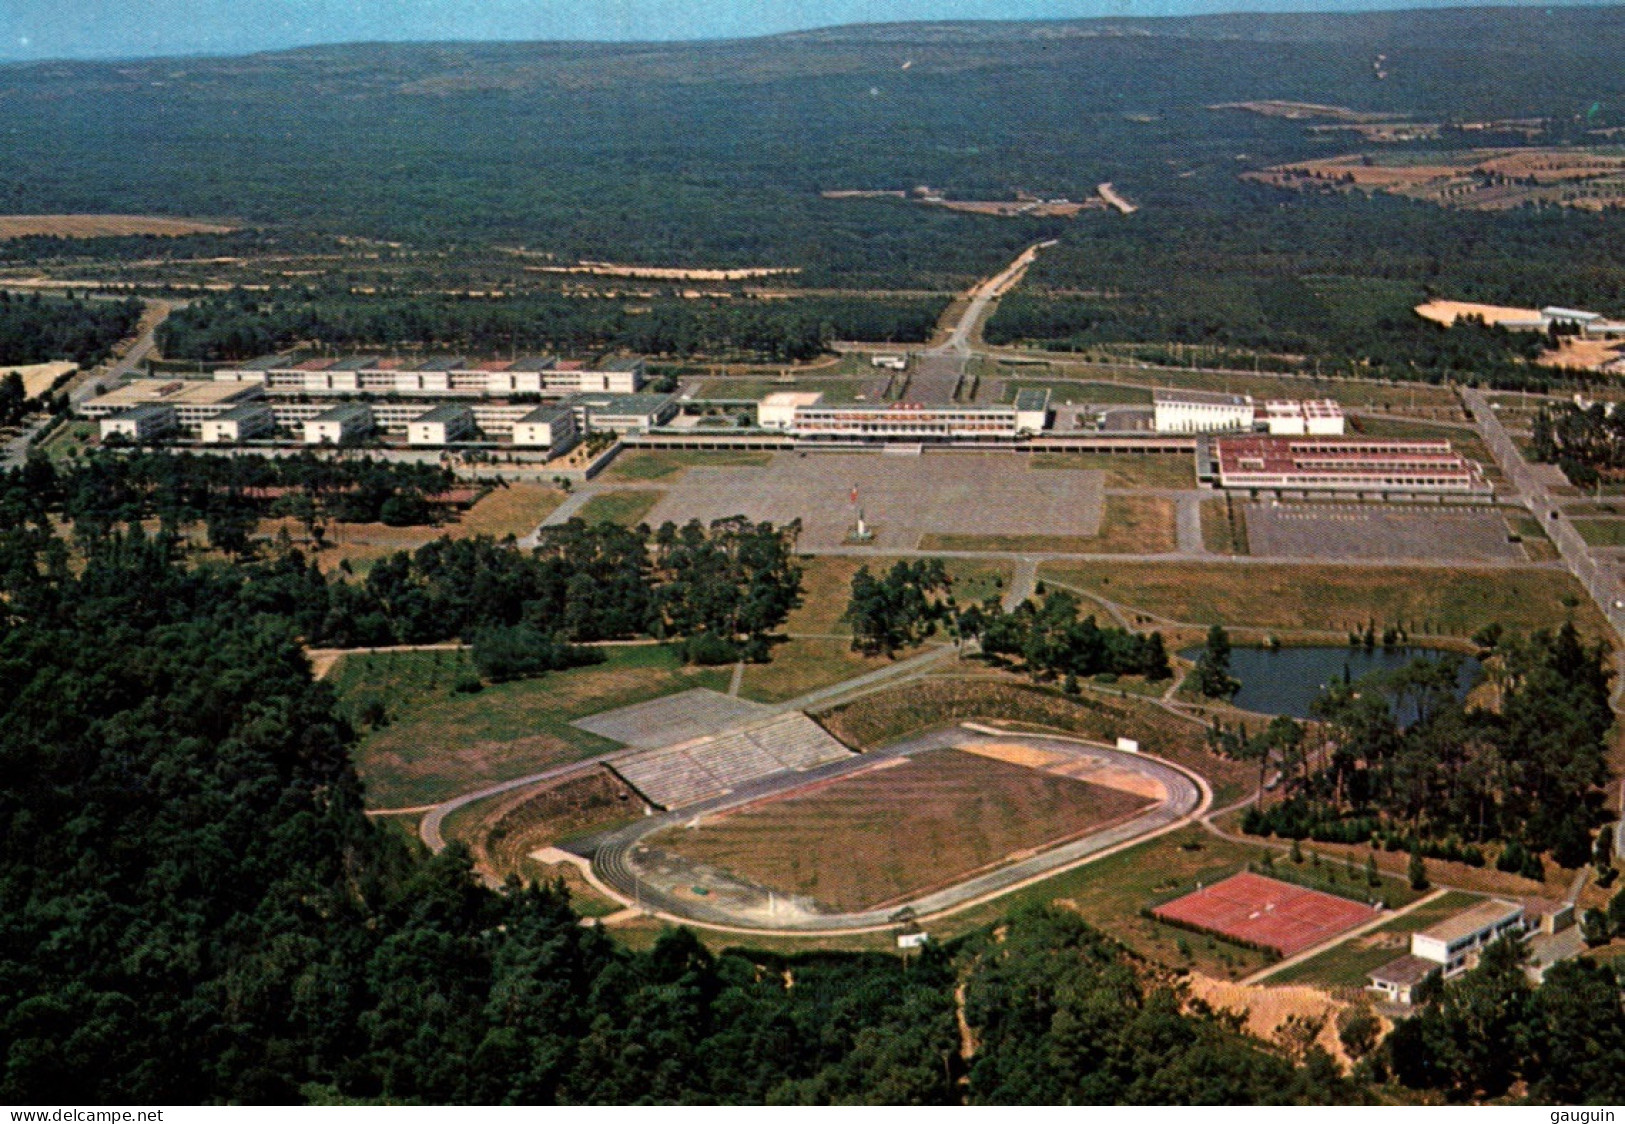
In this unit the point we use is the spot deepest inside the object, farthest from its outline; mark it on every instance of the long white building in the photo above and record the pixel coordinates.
(1198, 411)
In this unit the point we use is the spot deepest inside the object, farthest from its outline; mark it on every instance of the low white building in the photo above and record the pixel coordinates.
(778, 410)
(547, 427)
(1290, 418)
(1453, 942)
(1197, 411)
(344, 422)
(145, 422)
(240, 423)
(890, 362)
(1032, 412)
(621, 413)
(442, 425)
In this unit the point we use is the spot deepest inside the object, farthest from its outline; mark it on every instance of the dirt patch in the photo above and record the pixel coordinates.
(103, 226)
(1266, 1009)
(38, 377)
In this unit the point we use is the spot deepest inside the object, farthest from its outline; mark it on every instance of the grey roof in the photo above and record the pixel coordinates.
(1198, 397)
(620, 403)
(533, 363)
(620, 363)
(245, 411)
(549, 413)
(446, 412)
(345, 411)
(1482, 916)
(1407, 971)
(354, 363)
(1032, 400)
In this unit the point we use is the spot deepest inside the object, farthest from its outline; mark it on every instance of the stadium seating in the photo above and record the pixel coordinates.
(697, 770)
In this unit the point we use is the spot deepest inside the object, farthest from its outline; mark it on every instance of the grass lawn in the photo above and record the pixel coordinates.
(1601, 532)
(439, 743)
(1334, 598)
(1109, 893)
(515, 510)
(643, 465)
(1128, 470)
(1536, 544)
(826, 587)
(627, 508)
(1224, 526)
(1346, 964)
(1130, 525)
(804, 664)
(1063, 391)
(892, 833)
(68, 439)
(1430, 401)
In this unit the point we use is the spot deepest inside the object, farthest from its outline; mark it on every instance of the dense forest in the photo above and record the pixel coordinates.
(183, 859)
(1529, 772)
(1586, 442)
(720, 589)
(1325, 287)
(38, 329)
(241, 325)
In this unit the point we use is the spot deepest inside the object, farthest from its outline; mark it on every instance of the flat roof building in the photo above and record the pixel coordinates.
(345, 422)
(1452, 942)
(547, 427)
(1289, 418)
(442, 425)
(194, 401)
(621, 413)
(240, 423)
(1032, 411)
(1398, 980)
(1308, 464)
(1198, 411)
(145, 422)
(778, 410)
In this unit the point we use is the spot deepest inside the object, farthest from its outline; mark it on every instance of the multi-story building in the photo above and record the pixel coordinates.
(546, 427)
(1197, 411)
(192, 401)
(345, 422)
(1305, 464)
(240, 423)
(442, 425)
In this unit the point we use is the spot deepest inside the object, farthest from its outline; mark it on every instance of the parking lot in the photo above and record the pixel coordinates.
(1344, 531)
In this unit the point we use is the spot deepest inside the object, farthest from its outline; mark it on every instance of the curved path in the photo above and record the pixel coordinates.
(647, 878)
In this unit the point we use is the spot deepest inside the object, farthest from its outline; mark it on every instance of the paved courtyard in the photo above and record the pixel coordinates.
(1344, 531)
(902, 497)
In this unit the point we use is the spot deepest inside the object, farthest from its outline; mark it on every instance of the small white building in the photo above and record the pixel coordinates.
(344, 422)
(890, 362)
(778, 410)
(547, 427)
(442, 425)
(621, 413)
(1032, 412)
(1454, 941)
(1197, 411)
(1289, 418)
(146, 422)
(251, 419)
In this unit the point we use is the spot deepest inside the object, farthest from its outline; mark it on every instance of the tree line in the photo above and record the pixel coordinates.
(40, 329)
(241, 324)
(1586, 442)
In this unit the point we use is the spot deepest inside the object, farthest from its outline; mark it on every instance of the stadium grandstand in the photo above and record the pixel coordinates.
(692, 771)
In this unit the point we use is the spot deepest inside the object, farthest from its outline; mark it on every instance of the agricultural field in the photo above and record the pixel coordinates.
(102, 226)
(1130, 525)
(904, 828)
(436, 741)
(1483, 179)
(1328, 598)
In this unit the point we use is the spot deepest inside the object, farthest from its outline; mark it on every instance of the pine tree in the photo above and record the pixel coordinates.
(1418, 870)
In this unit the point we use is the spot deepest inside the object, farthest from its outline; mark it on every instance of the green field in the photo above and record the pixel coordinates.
(644, 465)
(1224, 526)
(1080, 392)
(1601, 532)
(1128, 470)
(1330, 598)
(1346, 964)
(438, 742)
(627, 508)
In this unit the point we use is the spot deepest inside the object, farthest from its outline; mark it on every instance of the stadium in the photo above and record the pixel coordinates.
(765, 822)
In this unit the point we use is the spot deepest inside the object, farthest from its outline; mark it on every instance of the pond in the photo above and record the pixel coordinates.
(1287, 680)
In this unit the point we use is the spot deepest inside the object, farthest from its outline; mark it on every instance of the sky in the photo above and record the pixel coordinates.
(54, 29)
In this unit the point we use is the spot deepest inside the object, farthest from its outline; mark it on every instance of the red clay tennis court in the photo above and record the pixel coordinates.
(1266, 913)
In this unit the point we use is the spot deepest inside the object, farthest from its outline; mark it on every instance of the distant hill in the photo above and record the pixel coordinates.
(713, 154)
